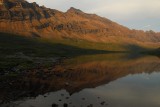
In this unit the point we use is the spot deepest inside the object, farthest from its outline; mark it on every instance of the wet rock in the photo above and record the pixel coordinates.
(103, 102)
(65, 105)
(54, 105)
(67, 97)
(83, 98)
(59, 100)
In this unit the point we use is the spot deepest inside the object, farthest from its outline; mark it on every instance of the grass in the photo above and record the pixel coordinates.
(90, 45)
(10, 44)
(25, 53)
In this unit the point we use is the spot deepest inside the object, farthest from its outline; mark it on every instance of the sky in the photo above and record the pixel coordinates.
(135, 14)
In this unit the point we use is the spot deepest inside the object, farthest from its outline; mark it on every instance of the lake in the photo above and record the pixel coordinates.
(106, 80)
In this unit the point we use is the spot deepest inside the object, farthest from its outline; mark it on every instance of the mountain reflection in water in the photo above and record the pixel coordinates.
(69, 81)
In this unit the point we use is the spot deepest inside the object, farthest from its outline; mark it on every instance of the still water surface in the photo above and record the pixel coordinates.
(95, 81)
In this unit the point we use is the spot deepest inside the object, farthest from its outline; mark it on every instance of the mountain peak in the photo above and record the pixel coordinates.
(72, 9)
(34, 20)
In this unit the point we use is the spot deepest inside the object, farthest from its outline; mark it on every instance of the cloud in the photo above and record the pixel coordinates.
(146, 26)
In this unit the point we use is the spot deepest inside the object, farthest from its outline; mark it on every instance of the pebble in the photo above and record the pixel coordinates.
(67, 97)
(91, 105)
(65, 105)
(54, 105)
(83, 98)
(102, 103)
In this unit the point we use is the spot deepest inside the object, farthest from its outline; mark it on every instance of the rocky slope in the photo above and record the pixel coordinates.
(30, 19)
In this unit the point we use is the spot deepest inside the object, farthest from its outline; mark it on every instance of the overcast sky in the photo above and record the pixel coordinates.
(137, 14)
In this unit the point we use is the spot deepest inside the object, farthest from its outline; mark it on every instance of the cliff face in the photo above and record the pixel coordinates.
(30, 19)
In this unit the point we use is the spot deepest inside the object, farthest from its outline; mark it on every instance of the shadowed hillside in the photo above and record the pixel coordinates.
(155, 52)
(23, 52)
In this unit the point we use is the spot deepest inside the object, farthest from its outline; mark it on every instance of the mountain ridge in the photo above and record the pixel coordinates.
(30, 19)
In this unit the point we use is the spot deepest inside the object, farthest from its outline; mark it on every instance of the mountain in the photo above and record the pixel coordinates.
(30, 19)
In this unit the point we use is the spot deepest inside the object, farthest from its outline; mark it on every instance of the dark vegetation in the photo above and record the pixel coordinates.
(28, 52)
(155, 52)
(18, 52)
